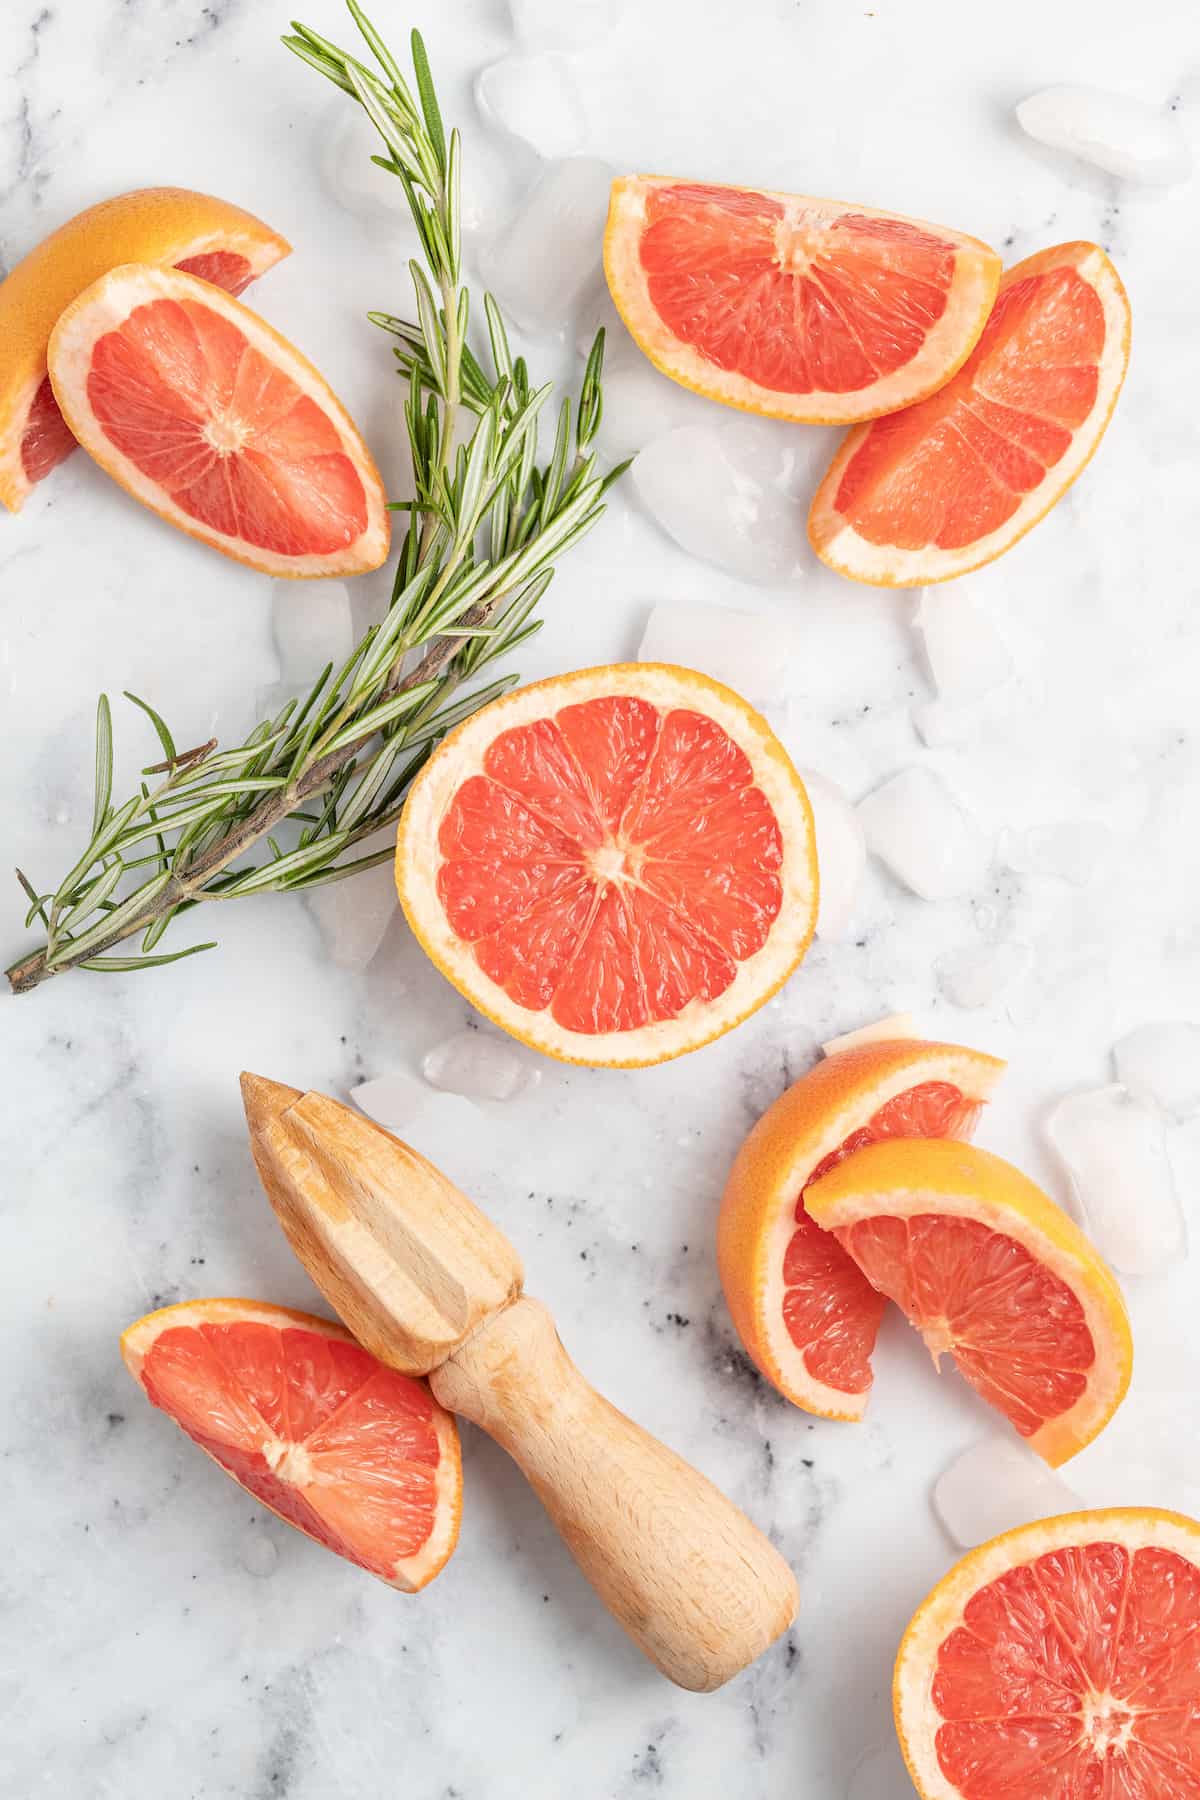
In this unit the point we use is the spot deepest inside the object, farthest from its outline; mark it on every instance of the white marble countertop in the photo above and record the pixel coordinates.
(140, 1653)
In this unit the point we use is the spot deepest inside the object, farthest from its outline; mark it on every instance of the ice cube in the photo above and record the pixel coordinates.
(716, 504)
(1146, 1454)
(540, 266)
(534, 100)
(917, 828)
(1115, 1151)
(1160, 1065)
(597, 309)
(641, 405)
(967, 657)
(750, 652)
(979, 974)
(349, 141)
(1069, 849)
(492, 184)
(880, 1775)
(883, 1031)
(312, 625)
(478, 1066)
(353, 914)
(566, 24)
(995, 1486)
(1117, 133)
(841, 854)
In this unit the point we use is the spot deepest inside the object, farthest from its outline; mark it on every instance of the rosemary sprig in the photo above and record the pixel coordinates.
(290, 806)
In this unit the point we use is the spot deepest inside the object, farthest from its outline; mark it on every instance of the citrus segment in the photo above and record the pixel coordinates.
(352, 1453)
(949, 483)
(992, 1271)
(615, 865)
(1061, 1660)
(799, 308)
(211, 419)
(805, 1311)
(197, 232)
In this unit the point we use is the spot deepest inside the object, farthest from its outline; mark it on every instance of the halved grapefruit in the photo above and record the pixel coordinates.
(352, 1453)
(952, 482)
(991, 1271)
(615, 865)
(806, 1313)
(1059, 1662)
(803, 309)
(214, 421)
(196, 232)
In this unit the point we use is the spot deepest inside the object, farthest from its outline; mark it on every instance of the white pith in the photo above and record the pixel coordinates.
(418, 861)
(975, 1080)
(845, 550)
(946, 346)
(917, 1717)
(103, 308)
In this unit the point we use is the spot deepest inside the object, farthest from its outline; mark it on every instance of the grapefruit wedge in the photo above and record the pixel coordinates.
(214, 421)
(1059, 1662)
(805, 1312)
(812, 310)
(195, 232)
(352, 1453)
(950, 483)
(991, 1271)
(615, 865)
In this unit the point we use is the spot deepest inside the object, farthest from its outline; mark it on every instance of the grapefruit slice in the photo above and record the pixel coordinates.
(1059, 1662)
(950, 483)
(992, 1271)
(805, 1312)
(797, 308)
(207, 416)
(197, 232)
(615, 865)
(352, 1453)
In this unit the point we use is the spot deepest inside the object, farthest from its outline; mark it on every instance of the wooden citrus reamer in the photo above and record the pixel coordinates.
(430, 1286)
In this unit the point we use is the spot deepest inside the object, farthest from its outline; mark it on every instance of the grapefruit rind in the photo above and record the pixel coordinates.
(944, 350)
(844, 549)
(838, 1096)
(900, 1178)
(917, 1718)
(103, 307)
(152, 225)
(460, 755)
(409, 1573)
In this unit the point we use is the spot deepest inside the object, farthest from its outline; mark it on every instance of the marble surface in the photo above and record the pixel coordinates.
(161, 1634)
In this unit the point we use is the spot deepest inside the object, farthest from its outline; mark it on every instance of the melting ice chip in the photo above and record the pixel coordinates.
(640, 404)
(841, 854)
(258, 1554)
(1160, 1065)
(967, 657)
(353, 915)
(1115, 1152)
(978, 974)
(565, 24)
(1117, 133)
(995, 1486)
(533, 99)
(539, 268)
(597, 309)
(1069, 849)
(750, 652)
(478, 1066)
(880, 1775)
(312, 625)
(917, 828)
(707, 488)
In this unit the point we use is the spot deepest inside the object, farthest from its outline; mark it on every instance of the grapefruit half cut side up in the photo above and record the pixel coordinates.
(1059, 1662)
(615, 865)
(803, 309)
(950, 483)
(354, 1454)
(215, 422)
(991, 1271)
(805, 1312)
(195, 232)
